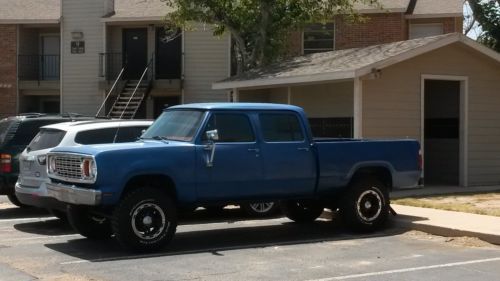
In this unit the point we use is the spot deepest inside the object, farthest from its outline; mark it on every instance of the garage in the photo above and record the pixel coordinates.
(441, 90)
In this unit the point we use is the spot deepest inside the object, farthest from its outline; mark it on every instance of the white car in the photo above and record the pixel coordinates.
(30, 186)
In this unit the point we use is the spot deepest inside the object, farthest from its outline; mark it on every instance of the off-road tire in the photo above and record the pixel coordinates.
(140, 212)
(365, 206)
(260, 209)
(59, 214)
(302, 211)
(88, 224)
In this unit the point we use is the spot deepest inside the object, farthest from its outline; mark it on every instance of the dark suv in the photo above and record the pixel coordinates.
(15, 134)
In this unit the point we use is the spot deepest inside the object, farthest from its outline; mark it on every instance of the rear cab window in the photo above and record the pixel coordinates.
(46, 138)
(281, 127)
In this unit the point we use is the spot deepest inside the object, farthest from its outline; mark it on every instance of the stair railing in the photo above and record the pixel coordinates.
(109, 93)
(149, 66)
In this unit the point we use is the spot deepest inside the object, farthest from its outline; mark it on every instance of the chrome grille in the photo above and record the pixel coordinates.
(68, 166)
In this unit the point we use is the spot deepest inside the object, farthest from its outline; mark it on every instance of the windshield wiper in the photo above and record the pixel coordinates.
(161, 138)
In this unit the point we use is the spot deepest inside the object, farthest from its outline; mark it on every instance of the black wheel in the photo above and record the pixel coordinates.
(302, 211)
(145, 220)
(88, 224)
(59, 214)
(366, 205)
(13, 199)
(260, 209)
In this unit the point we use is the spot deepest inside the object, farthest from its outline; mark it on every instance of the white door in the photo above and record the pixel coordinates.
(50, 57)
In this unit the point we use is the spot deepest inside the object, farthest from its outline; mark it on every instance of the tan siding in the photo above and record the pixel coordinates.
(206, 61)
(391, 104)
(80, 92)
(254, 96)
(325, 100)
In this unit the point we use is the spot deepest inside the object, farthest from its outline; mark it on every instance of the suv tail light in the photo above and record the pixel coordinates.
(5, 163)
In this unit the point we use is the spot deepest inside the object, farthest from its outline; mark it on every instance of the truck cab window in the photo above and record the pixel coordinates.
(280, 128)
(231, 128)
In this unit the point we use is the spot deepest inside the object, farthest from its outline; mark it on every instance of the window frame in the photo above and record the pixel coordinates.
(413, 25)
(316, 51)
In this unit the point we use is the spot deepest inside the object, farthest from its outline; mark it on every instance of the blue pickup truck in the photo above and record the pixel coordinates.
(226, 153)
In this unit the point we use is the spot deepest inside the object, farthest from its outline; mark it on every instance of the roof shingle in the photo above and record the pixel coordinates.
(29, 11)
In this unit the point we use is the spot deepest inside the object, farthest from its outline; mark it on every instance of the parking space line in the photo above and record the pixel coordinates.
(27, 219)
(404, 270)
(41, 238)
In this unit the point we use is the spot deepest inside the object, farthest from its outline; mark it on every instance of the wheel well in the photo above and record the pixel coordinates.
(157, 181)
(381, 173)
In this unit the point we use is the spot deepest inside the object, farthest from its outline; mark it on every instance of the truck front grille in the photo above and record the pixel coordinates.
(67, 166)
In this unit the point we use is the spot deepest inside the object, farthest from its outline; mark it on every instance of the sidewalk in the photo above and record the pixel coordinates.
(447, 223)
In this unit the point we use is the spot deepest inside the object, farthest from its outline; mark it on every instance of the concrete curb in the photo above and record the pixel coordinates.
(449, 223)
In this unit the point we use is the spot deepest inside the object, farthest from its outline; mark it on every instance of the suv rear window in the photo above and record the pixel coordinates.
(28, 129)
(47, 138)
(4, 128)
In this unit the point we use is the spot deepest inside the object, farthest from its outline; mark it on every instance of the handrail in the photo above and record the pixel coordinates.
(110, 91)
(137, 86)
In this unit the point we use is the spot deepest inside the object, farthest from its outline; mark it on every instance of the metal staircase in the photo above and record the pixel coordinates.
(130, 98)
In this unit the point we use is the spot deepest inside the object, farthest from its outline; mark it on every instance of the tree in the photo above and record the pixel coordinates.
(487, 15)
(259, 28)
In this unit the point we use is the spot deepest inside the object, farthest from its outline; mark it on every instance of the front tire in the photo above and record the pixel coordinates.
(88, 224)
(365, 207)
(145, 220)
(302, 211)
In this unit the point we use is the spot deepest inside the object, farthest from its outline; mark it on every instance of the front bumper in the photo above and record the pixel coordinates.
(74, 195)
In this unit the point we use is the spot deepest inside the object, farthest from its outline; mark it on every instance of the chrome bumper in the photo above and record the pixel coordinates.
(74, 195)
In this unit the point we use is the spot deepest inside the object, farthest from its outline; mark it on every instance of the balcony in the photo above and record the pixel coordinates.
(39, 71)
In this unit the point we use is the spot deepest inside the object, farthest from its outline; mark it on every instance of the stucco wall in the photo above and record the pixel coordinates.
(391, 104)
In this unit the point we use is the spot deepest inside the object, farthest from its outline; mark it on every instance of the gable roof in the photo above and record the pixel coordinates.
(345, 64)
(30, 11)
(441, 8)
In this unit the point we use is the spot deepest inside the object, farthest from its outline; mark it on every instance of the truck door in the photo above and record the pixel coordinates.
(236, 171)
(288, 160)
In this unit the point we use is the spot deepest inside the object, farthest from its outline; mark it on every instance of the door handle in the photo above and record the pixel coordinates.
(303, 149)
(256, 150)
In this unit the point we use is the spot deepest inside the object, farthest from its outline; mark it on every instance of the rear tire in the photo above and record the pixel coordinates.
(87, 224)
(260, 209)
(365, 206)
(145, 220)
(13, 199)
(302, 211)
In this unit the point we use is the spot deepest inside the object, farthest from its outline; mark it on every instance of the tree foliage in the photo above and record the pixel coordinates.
(487, 15)
(259, 28)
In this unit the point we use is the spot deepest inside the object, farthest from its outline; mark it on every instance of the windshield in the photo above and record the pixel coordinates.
(46, 138)
(179, 125)
(4, 128)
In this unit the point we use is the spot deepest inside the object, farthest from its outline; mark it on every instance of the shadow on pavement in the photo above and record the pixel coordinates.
(22, 213)
(216, 241)
(47, 227)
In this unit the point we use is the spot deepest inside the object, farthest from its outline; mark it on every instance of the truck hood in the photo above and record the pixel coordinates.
(100, 148)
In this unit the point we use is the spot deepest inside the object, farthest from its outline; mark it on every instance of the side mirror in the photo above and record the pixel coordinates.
(212, 135)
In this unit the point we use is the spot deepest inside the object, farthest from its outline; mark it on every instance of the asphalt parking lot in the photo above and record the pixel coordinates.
(36, 246)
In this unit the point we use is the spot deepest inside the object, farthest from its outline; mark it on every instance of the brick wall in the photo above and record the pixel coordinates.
(8, 72)
(376, 29)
